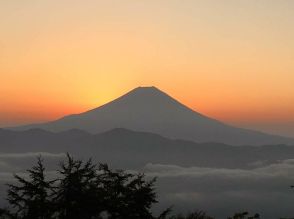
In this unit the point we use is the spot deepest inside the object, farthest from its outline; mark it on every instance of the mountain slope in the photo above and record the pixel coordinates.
(151, 110)
(125, 148)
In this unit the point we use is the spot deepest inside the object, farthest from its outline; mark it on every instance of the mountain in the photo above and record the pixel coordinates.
(128, 149)
(150, 110)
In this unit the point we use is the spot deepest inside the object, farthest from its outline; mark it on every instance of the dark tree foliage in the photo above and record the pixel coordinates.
(5, 214)
(127, 195)
(77, 194)
(81, 190)
(193, 215)
(244, 215)
(84, 190)
(31, 198)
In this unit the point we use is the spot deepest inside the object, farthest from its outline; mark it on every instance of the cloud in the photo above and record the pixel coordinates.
(19, 162)
(222, 191)
(31, 155)
(11, 163)
(282, 169)
(219, 191)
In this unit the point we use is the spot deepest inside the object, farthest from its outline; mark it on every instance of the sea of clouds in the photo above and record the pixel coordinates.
(218, 191)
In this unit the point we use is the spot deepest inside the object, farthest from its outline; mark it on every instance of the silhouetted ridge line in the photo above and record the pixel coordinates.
(149, 109)
(135, 149)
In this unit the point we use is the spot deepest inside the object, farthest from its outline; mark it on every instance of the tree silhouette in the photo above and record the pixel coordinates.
(30, 199)
(244, 215)
(193, 215)
(84, 190)
(6, 214)
(127, 195)
(77, 194)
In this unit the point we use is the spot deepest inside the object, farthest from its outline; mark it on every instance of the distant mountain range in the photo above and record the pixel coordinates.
(148, 109)
(128, 149)
(199, 161)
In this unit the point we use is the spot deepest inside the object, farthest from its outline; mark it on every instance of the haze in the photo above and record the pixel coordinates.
(230, 60)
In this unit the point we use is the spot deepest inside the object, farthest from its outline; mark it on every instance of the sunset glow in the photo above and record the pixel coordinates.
(230, 60)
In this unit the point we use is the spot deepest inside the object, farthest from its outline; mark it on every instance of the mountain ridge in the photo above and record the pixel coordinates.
(128, 148)
(149, 109)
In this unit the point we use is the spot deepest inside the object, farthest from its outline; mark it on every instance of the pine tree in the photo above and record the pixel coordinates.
(82, 190)
(127, 195)
(77, 195)
(244, 215)
(30, 199)
(193, 215)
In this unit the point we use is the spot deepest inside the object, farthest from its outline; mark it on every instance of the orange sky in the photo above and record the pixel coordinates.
(231, 60)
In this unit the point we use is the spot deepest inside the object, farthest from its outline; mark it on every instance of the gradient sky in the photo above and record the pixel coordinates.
(232, 60)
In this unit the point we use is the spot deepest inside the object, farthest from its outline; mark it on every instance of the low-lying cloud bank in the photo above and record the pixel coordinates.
(281, 169)
(223, 191)
(18, 162)
(31, 155)
(11, 163)
(219, 191)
